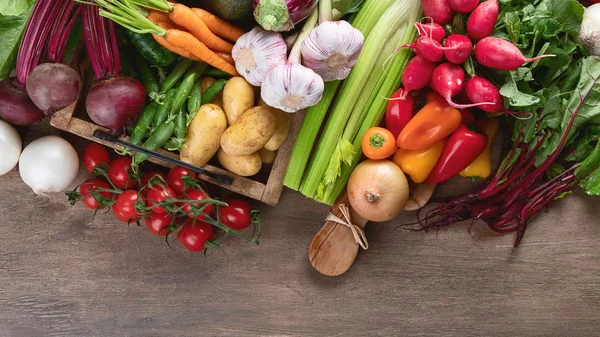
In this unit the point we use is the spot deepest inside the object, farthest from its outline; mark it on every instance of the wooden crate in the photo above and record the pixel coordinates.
(72, 120)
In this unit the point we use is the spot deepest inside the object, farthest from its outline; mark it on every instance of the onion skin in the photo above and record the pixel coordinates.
(53, 86)
(15, 105)
(378, 190)
(116, 103)
(11, 145)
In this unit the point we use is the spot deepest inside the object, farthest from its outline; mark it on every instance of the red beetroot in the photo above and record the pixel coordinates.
(480, 89)
(432, 30)
(438, 10)
(15, 105)
(463, 6)
(482, 21)
(448, 81)
(458, 48)
(497, 53)
(418, 74)
(53, 86)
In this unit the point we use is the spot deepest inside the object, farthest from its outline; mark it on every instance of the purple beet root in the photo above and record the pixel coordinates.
(15, 105)
(53, 86)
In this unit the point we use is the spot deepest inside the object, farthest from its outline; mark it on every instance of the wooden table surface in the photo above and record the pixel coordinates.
(64, 274)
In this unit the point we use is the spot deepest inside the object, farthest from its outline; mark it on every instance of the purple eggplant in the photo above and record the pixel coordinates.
(282, 15)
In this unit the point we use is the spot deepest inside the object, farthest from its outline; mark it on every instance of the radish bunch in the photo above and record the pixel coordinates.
(439, 58)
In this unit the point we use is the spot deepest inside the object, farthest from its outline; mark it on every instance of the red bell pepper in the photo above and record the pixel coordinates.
(462, 148)
(399, 112)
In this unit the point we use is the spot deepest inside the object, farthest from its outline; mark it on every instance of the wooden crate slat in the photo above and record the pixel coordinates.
(274, 186)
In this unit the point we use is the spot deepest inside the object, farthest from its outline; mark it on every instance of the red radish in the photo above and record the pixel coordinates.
(53, 86)
(458, 48)
(418, 74)
(115, 101)
(427, 47)
(482, 20)
(432, 30)
(480, 89)
(497, 53)
(463, 6)
(438, 10)
(448, 81)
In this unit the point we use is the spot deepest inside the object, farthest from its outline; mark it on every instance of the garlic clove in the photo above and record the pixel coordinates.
(292, 87)
(332, 49)
(257, 52)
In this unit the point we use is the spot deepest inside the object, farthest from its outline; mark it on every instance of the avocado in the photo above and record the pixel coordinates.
(229, 9)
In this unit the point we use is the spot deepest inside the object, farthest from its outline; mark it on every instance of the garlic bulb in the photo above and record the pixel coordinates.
(332, 49)
(257, 52)
(292, 87)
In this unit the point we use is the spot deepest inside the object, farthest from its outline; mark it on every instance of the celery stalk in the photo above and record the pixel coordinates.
(332, 149)
(307, 135)
(365, 21)
(374, 116)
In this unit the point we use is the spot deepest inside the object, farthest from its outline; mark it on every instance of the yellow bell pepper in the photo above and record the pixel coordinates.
(418, 164)
(482, 166)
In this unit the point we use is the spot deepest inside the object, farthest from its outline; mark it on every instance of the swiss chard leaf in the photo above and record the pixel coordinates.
(11, 31)
(14, 7)
(591, 184)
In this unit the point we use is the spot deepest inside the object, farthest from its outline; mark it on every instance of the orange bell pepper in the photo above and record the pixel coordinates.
(434, 122)
(418, 164)
(482, 166)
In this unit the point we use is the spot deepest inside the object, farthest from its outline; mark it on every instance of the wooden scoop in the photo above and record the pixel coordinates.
(333, 249)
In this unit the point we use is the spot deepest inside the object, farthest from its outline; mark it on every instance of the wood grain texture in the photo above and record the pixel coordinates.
(63, 273)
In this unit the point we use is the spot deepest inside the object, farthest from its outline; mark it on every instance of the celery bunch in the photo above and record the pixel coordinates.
(360, 103)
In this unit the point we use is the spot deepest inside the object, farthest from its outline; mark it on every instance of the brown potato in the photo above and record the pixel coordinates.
(244, 166)
(238, 97)
(203, 135)
(249, 133)
(267, 157)
(282, 129)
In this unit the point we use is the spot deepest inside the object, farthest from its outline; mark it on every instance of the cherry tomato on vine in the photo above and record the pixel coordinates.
(157, 222)
(146, 177)
(119, 215)
(94, 155)
(193, 236)
(237, 215)
(119, 173)
(156, 195)
(89, 186)
(125, 204)
(197, 195)
(174, 178)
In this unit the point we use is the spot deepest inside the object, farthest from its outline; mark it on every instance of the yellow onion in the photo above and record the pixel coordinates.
(378, 190)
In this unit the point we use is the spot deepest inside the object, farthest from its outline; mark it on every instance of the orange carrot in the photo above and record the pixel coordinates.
(157, 16)
(189, 43)
(218, 26)
(227, 57)
(177, 50)
(186, 18)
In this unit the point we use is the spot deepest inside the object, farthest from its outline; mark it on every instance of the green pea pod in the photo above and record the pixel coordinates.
(178, 71)
(143, 124)
(148, 78)
(150, 49)
(212, 91)
(181, 124)
(195, 100)
(156, 141)
(186, 86)
(163, 110)
(214, 72)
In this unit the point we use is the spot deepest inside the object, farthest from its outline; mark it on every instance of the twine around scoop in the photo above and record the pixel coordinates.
(358, 233)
